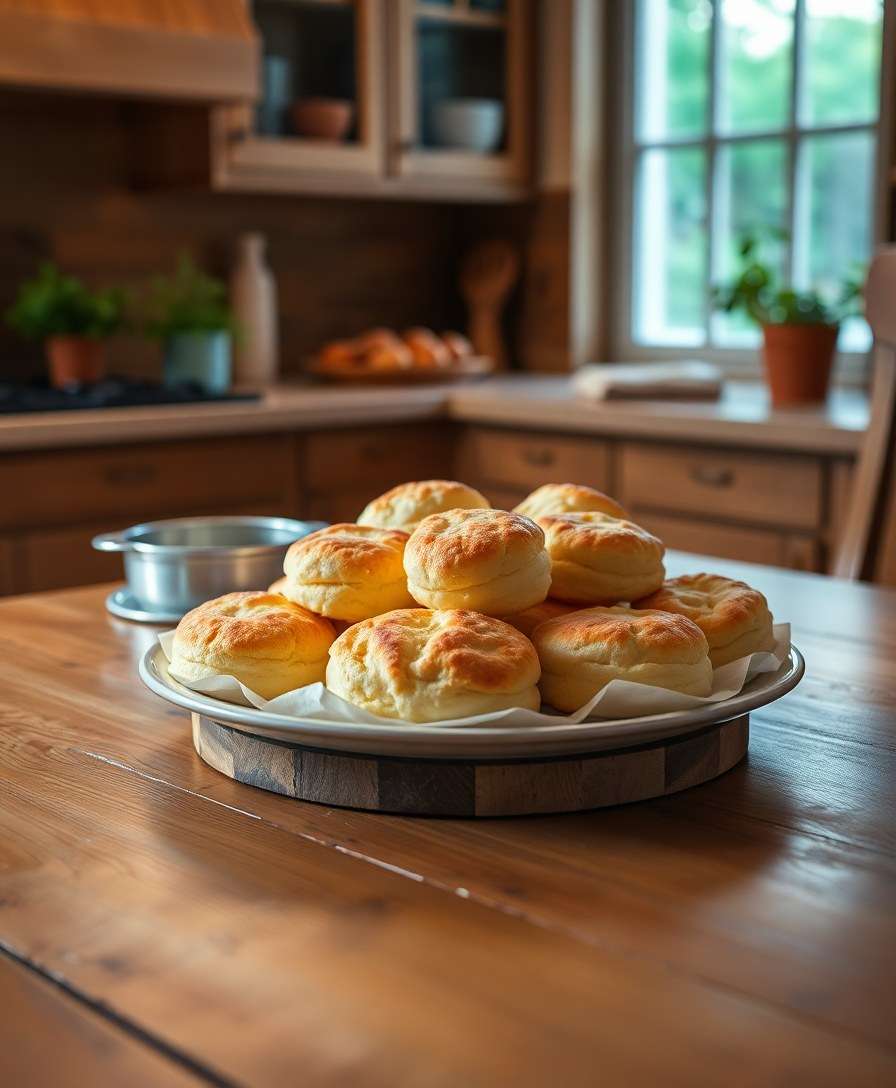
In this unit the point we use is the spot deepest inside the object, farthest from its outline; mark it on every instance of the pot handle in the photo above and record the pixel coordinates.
(111, 542)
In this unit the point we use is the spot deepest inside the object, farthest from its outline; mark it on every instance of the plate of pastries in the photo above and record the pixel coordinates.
(383, 356)
(433, 606)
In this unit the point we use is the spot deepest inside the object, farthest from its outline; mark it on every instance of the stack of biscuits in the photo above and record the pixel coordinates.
(434, 605)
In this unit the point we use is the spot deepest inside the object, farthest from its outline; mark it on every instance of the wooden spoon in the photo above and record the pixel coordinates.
(487, 276)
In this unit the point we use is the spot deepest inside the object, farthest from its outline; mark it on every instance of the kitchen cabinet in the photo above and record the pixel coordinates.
(522, 461)
(723, 485)
(343, 469)
(328, 50)
(393, 62)
(471, 50)
(766, 507)
(58, 500)
(136, 482)
(190, 51)
(774, 507)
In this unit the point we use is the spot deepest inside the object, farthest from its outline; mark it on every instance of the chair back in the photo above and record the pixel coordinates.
(868, 543)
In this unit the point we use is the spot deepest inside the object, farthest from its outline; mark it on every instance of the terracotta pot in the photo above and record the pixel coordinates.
(798, 361)
(323, 118)
(75, 360)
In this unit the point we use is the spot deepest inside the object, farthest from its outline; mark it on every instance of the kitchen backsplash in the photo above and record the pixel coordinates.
(341, 265)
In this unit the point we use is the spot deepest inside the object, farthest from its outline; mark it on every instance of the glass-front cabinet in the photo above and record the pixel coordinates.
(413, 97)
(320, 109)
(461, 97)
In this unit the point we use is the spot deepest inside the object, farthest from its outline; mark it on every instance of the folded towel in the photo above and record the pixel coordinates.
(692, 380)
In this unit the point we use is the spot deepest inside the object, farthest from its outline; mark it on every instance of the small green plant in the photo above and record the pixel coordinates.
(756, 291)
(54, 304)
(188, 301)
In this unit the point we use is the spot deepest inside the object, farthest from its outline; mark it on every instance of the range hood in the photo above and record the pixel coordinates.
(189, 50)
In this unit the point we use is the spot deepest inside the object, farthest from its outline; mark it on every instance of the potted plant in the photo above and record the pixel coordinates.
(73, 321)
(799, 328)
(189, 313)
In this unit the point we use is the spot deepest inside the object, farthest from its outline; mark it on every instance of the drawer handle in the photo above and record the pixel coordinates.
(539, 458)
(712, 476)
(374, 452)
(125, 475)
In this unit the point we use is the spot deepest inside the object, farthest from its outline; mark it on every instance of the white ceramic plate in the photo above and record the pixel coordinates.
(475, 742)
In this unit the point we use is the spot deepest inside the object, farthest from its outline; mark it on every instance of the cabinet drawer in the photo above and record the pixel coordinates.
(785, 491)
(7, 568)
(526, 461)
(58, 558)
(794, 550)
(503, 498)
(372, 459)
(120, 484)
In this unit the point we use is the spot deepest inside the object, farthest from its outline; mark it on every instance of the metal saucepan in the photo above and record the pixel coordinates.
(172, 566)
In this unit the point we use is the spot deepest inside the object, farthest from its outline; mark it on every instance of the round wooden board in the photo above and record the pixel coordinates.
(438, 787)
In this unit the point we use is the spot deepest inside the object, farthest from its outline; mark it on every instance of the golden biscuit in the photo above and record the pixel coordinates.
(405, 506)
(488, 560)
(348, 572)
(529, 619)
(734, 617)
(430, 666)
(598, 559)
(268, 643)
(568, 499)
(582, 652)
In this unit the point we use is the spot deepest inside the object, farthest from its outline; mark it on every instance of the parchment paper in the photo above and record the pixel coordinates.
(619, 699)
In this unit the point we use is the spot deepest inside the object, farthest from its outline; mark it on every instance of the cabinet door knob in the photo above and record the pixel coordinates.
(712, 476)
(539, 458)
(125, 475)
(373, 452)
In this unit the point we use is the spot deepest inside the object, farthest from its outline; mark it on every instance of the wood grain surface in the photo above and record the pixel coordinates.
(742, 932)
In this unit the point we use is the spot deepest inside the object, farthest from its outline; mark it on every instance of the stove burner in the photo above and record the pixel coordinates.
(110, 393)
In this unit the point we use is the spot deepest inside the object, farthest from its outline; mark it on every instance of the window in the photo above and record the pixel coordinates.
(749, 116)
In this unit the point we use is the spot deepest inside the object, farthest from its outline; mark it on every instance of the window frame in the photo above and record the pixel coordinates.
(735, 361)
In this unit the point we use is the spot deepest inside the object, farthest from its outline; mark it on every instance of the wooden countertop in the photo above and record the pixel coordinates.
(162, 924)
(742, 417)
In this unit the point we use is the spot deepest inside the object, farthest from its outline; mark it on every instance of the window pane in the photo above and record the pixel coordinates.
(750, 197)
(832, 238)
(756, 41)
(842, 61)
(669, 284)
(673, 67)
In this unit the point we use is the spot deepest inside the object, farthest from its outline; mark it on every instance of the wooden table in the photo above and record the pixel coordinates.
(164, 925)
